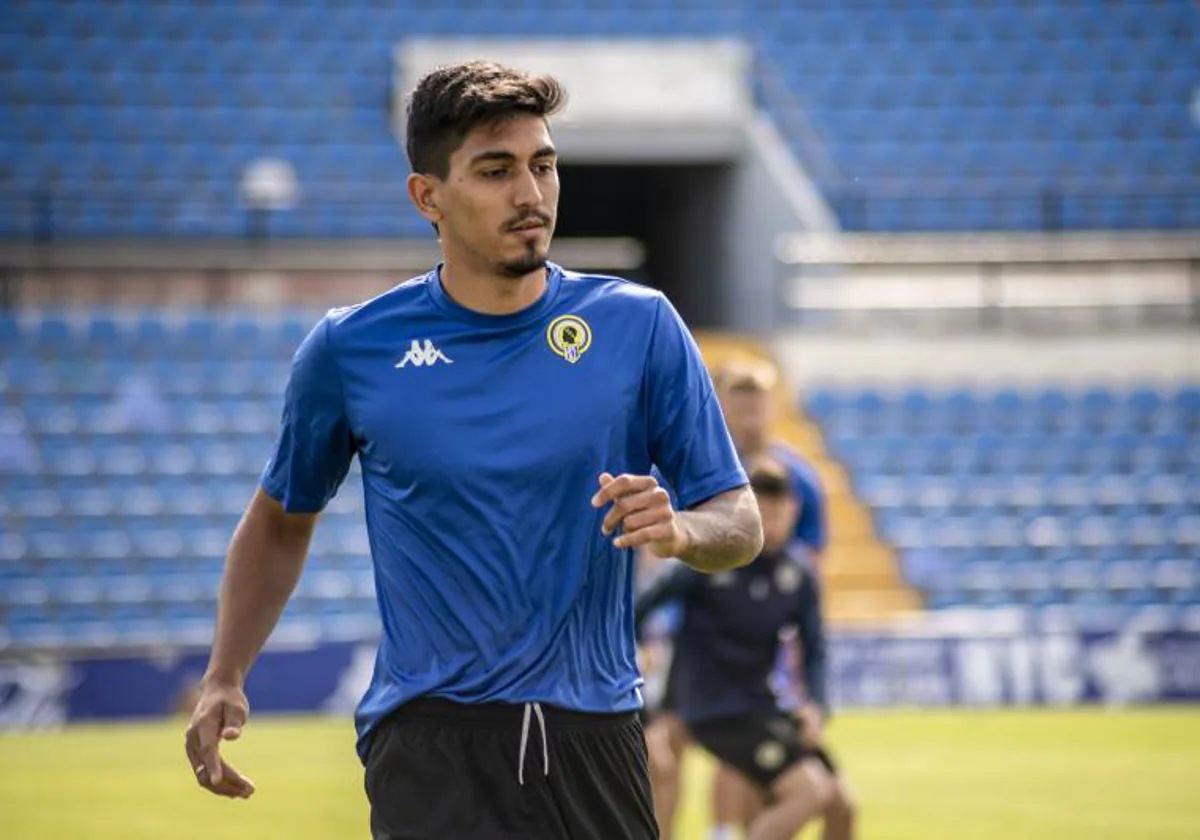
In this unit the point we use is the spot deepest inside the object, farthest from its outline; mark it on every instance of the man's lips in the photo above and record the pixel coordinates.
(528, 224)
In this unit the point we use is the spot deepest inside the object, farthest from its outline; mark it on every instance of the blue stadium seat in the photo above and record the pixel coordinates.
(1031, 578)
(22, 591)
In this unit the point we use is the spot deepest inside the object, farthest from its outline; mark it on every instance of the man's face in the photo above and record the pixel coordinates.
(748, 416)
(499, 201)
(779, 513)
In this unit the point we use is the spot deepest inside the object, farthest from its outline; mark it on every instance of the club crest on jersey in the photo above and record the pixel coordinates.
(787, 577)
(569, 336)
(770, 755)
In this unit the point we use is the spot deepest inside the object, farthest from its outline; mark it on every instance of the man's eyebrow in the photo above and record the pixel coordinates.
(494, 154)
(499, 155)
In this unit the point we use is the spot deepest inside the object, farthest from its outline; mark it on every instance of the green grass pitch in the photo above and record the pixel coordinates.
(936, 775)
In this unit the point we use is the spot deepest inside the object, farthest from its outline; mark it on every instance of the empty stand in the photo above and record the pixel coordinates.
(136, 119)
(1080, 501)
(129, 447)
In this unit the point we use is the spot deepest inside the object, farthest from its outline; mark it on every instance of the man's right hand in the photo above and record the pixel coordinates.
(219, 716)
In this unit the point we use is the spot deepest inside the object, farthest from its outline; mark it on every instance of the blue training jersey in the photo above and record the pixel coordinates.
(481, 440)
(811, 531)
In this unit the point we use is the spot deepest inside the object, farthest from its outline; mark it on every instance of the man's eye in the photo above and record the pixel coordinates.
(494, 173)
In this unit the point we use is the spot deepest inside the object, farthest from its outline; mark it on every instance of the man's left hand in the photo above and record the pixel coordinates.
(642, 510)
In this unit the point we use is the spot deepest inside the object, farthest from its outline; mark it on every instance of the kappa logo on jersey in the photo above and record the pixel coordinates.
(422, 355)
(569, 336)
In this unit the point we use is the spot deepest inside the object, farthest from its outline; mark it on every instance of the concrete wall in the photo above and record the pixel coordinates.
(1071, 360)
(770, 195)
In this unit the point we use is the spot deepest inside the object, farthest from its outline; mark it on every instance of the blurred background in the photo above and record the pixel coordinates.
(968, 232)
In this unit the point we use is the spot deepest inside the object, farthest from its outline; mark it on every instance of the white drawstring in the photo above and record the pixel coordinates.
(536, 708)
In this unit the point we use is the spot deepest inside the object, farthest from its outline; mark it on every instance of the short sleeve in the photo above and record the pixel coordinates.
(689, 442)
(811, 527)
(656, 473)
(315, 445)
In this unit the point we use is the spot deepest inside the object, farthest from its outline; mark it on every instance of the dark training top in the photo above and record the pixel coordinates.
(730, 639)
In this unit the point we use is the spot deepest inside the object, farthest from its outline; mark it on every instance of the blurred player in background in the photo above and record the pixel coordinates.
(506, 414)
(734, 627)
(745, 389)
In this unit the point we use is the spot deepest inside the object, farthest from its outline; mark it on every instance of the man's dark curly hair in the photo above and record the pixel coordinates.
(451, 101)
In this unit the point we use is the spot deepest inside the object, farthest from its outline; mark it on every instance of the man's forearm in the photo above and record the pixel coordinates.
(723, 533)
(266, 557)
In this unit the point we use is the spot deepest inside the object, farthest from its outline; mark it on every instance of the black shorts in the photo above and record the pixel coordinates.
(762, 747)
(438, 770)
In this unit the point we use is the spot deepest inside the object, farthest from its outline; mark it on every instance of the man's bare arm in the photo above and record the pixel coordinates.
(723, 533)
(264, 563)
(266, 557)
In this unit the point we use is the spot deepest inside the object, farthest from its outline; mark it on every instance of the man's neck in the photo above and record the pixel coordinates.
(489, 293)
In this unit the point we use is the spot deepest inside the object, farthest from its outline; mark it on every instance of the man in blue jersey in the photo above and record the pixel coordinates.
(735, 626)
(506, 414)
(745, 390)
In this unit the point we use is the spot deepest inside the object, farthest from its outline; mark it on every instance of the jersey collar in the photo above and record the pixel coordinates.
(528, 315)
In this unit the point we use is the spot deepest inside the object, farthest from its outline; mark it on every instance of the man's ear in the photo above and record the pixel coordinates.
(422, 192)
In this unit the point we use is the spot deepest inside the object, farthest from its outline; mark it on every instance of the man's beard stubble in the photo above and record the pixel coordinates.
(528, 263)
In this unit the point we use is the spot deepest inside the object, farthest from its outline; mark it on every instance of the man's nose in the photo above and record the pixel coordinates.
(527, 192)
